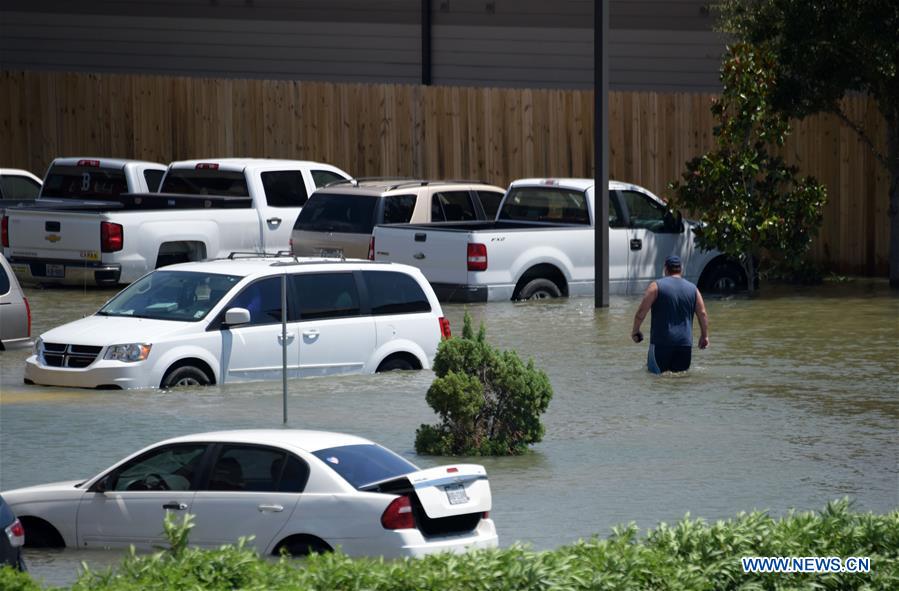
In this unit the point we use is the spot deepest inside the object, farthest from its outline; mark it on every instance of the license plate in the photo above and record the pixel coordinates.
(56, 271)
(331, 253)
(455, 494)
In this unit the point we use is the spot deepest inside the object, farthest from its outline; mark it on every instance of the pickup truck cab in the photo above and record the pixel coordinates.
(541, 245)
(116, 231)
(18, 185)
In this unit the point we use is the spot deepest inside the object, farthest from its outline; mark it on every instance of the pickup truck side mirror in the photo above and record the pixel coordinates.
(237, 316)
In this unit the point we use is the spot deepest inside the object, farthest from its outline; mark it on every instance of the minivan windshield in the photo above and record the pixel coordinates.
(364, 463)
(329, 212)
(184, 296)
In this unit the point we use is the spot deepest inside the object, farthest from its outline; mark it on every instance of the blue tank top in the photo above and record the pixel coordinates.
(672, 313)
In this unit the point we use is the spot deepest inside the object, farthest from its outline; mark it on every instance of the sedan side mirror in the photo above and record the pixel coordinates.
(101, 485)
(237, 316)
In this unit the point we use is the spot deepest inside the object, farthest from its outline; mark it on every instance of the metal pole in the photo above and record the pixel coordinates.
(426, 42)
(601, 150)
(284, 344)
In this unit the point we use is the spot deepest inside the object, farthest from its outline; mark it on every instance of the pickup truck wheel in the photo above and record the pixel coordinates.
(726, 278)
(395, 364)
(539, 289)
(186, 375)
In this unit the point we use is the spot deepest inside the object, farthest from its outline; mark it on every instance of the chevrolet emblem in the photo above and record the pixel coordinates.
(53, 238)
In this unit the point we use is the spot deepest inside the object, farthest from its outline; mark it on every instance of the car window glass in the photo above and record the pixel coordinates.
(437, 209)
(77, 182)
(171, 295)
(324, 177)
(326, 295)
(490, 201)
(284, 188)
(19, 187)
(545, 204)
(4, 281)
(391, 292)
(153, 178)
(254, 468)
(616, 220)
(365, 463)
(330, 212)
(643, 212)
(205, 181)
(398, 209)
(173, 467)
(262, 299)
(457, 206)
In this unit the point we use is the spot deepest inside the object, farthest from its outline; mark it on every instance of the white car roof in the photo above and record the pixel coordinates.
(241, 164)
(261, 266)
(307, 440)
(19, 172)
(576, 184)
(104, 162)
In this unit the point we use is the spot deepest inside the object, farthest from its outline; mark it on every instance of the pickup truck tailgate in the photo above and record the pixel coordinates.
(441, 255)
(54, 235)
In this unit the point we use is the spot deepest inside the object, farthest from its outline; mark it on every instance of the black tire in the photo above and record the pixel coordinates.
(303, 546)
(41, 534)
(725, 278)
(395, 364)
(186, 375)
(539, 289)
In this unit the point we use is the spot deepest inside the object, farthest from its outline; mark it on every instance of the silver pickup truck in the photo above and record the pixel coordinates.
(541, 246)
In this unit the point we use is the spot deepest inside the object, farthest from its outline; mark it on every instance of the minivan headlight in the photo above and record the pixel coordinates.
(38, 347)
(129, 353)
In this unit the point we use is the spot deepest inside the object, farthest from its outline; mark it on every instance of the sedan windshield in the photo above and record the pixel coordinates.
(363, 464)
(171, 295)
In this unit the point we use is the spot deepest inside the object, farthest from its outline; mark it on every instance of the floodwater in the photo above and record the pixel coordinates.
(796, 403)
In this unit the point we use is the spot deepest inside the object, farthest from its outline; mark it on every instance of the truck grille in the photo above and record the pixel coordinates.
(75, 356)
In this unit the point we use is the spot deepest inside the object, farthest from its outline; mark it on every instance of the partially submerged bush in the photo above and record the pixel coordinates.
(489, 401)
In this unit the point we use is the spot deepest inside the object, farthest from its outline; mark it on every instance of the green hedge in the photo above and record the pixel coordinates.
(690, 555)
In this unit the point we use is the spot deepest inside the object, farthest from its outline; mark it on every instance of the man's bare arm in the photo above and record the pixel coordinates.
(649, 298)
(703, 321)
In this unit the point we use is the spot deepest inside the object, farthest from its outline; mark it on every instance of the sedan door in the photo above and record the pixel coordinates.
(252, 491)
(128, 506)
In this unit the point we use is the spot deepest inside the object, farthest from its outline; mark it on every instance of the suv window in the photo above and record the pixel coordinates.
(323, 177)
(4, 281)
(262, 299)
(490, 201)
(173, 467)
(75, 182)
(153, 178)
(192, 181)
(645, 212)
(18, 187)
(391, 292)
(326, 295)
(284, 188)
(398, 209)
(330, 212)
(452, 206)
(254, 468)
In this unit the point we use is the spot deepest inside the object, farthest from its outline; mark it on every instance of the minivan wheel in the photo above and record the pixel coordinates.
(186, 375)
(395, 364)
(539, 289)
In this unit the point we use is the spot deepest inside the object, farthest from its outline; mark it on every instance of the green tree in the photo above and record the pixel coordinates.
(489, 401)
(824, 50)
(753, 206)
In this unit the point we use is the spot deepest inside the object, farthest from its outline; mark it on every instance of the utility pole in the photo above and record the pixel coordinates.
(601, 150)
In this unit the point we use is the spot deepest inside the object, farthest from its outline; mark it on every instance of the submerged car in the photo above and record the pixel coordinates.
(15, 313)
(295, 491)
(220, 321)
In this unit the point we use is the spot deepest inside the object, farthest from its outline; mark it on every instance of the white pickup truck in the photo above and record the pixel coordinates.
(204, 209)
(541, 246)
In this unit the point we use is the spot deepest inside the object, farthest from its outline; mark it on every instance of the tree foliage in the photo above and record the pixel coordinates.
(822, 51)
(489, 401)
(753, 205)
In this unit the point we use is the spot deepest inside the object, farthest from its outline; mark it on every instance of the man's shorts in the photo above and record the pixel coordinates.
(662, 358)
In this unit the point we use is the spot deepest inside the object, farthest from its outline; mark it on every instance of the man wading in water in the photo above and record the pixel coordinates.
(673, 301)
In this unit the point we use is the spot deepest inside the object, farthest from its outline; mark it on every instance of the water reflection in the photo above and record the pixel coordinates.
(793, 405)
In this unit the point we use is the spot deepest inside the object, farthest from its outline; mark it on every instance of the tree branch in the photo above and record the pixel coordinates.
(860, 131)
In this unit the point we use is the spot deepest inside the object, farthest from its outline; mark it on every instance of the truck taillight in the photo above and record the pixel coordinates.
(477, 257)
(371, 249)
(445, 331)
(91, 163)
(207, 166)
(4, 230)
(28, 313)
(112, 237)
(398, 514)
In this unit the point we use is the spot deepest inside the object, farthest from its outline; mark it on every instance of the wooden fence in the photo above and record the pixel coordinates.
(437, 132)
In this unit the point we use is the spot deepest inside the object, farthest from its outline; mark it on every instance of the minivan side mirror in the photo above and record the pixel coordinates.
(237, 316)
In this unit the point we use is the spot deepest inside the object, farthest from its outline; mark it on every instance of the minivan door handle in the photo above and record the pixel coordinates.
(289, 338)
(636, 244)
(312, 333)
(175, 506)
(274, 221)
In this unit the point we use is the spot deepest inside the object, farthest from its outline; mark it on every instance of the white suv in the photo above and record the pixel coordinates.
(220, 321)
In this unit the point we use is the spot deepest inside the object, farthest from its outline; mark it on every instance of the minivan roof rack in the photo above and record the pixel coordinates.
(237, 254)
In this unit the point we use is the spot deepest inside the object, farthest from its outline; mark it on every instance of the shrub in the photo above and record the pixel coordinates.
(489, 401)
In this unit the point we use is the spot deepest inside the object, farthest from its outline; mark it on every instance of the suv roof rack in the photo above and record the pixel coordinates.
(391, 182)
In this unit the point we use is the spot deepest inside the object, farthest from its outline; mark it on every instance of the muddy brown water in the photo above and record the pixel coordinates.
(795, 404)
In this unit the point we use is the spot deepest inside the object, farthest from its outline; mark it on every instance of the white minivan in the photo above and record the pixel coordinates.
(220, 321)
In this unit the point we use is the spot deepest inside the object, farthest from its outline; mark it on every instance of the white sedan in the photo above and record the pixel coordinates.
(294, 490)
